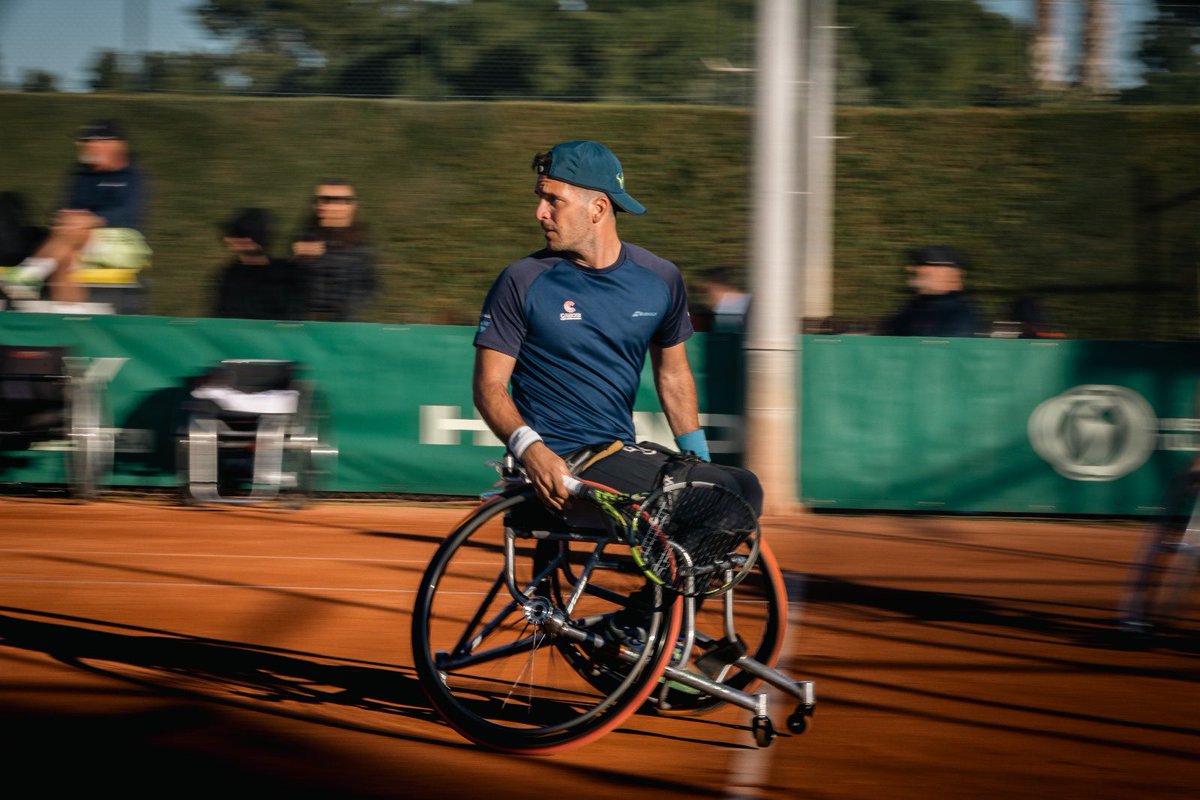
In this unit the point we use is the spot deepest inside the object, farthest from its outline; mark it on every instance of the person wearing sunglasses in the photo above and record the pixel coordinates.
(335, 256)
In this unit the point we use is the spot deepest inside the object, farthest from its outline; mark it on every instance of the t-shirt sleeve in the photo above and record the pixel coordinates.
(677, 323)
(502, 320)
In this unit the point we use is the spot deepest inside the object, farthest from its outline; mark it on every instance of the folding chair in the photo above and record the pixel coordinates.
(250, 435)
(49, 400)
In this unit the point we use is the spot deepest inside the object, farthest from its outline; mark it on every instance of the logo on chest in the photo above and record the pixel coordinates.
(569, 311)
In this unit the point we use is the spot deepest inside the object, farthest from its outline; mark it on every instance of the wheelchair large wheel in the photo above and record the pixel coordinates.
(757, 609)
(505, 673)
(1162, 587)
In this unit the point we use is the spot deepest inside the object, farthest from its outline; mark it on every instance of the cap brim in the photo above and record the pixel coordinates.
(626, 203)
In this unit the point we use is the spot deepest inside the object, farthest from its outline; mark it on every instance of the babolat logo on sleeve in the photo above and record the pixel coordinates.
(484, 321)
(569, 311)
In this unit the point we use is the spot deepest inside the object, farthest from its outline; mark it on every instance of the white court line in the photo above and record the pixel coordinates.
(177, 584)
(43, 551)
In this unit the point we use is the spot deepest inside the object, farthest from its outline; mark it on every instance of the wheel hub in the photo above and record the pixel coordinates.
(538, 611)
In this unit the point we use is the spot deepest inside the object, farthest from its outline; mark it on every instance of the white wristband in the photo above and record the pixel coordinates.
(520, 440)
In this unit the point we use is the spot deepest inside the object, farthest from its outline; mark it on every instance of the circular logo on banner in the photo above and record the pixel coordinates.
(1094, 433)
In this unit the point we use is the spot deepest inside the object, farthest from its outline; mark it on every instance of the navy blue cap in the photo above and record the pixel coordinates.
(938, 255)
(590, 165)
(100, 129)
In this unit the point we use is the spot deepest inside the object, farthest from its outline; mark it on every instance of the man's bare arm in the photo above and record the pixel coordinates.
(676, 387)
(545, 469)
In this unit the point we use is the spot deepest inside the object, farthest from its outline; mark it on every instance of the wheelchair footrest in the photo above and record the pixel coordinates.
(720, 654)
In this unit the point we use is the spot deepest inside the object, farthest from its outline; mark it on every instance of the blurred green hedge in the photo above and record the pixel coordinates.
(1095, 211)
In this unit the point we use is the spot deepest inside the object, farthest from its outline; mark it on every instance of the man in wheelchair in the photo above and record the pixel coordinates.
(570, 326)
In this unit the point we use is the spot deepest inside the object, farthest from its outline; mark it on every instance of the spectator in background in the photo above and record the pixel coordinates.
(1032, 319)
(939, 306)
(727, 304)
(99, 222)
(254, 285)
(334, 255)
(18, 239)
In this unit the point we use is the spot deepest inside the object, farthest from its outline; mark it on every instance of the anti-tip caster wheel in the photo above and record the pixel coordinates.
(764, 731)
(797, 722)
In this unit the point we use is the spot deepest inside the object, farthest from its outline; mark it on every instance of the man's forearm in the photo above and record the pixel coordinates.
(498, 410)
(677, 394)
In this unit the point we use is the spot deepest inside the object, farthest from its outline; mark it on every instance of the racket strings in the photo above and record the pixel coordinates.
(689, 534)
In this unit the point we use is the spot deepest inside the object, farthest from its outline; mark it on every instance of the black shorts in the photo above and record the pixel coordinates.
(634, 468)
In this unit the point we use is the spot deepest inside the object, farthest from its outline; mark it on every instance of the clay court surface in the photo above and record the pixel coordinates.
(148, 649)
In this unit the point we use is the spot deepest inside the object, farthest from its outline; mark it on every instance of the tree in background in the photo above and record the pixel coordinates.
(1047, 49)
(896, 52)
(1171, 52)
(158, 72)
(1095, 66)
(39, 80)
(952, 52)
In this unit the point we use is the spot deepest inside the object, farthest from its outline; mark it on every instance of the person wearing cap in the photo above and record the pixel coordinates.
(254, 285)
(99, 221)
(939, 307)
(569, 328)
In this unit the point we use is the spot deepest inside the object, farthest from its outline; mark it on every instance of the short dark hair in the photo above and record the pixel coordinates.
(938, 255)
(726, 274)
(255, 224)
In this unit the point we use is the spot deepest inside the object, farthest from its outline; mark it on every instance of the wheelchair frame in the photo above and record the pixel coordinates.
(701, 670)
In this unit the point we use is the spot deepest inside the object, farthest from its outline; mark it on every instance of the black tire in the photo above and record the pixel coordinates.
(760, 609)
(1161, 589)
(516, 686)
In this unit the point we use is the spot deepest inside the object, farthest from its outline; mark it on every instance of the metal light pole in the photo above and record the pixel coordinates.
(771, 327)
(791, 265)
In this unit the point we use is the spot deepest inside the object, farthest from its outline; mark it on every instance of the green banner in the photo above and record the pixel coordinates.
(399, 397)
(962, 425)
(983, 425)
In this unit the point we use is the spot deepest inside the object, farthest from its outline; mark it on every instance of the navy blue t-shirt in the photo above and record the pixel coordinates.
(580, 337)
(118, 195)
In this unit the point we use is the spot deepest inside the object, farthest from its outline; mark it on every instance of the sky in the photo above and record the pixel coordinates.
(63, 36)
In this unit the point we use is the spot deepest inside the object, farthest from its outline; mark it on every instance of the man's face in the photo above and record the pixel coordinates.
(335, 205)
(563, 212)
(100, 153)
(934, 278)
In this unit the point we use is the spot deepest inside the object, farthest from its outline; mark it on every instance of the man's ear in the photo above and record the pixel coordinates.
(600, 206)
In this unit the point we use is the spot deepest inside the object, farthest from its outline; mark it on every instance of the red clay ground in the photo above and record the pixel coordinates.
(146, 649)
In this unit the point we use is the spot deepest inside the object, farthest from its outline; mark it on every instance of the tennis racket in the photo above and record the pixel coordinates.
(684, 536)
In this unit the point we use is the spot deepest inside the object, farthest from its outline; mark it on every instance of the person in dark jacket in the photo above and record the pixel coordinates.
(107, 193)
(939, 307)
(335, 256)
(254, 285)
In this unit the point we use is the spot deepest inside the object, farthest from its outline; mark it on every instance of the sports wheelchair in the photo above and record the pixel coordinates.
(48, 398)
(534, 632)
(252, 433)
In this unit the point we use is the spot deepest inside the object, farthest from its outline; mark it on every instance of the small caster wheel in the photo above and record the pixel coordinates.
(764, 731)
(797, 722)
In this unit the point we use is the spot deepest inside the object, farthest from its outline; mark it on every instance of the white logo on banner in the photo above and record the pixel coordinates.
(1094, 433)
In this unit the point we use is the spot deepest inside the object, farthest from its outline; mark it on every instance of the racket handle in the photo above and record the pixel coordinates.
(573, 485)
